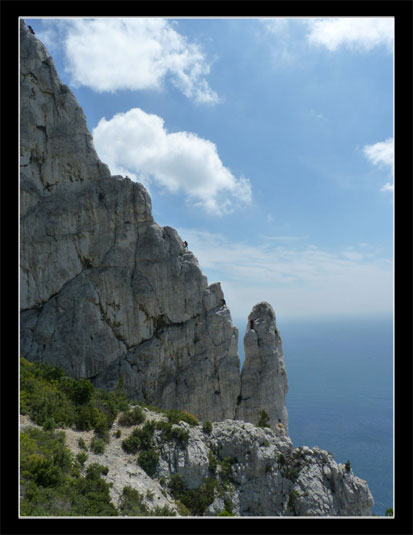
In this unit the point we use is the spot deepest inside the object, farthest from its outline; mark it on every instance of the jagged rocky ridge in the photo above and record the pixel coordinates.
(264, 476)
(106, 293)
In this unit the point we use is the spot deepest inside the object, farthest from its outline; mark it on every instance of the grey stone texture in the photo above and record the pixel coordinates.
(264, 378)
(105, 292)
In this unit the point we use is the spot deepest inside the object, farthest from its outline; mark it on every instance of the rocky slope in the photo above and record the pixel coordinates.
(256, 471)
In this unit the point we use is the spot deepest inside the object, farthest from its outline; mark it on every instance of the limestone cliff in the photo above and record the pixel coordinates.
(106, 292)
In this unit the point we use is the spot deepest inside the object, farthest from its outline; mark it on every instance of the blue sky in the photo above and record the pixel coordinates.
(267, 143)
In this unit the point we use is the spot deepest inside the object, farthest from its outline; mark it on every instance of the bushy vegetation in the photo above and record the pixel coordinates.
(132, 417)
(140, 439)
(224, 512)
(264, 419)
(97, 445)
(55, 482)
(148, 460)
(175, 416)
(51, 484)
(195, 500)
(52, 399)
(132, 504)
(347, 466)
(168, 432)
(207, 427)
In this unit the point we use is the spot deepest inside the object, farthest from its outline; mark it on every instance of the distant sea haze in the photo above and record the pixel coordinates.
(340, 396)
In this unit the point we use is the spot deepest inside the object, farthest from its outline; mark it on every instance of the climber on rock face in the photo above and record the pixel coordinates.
(186, 245)
(31, 30)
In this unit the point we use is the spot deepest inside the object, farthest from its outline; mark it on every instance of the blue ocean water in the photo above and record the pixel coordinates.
(340, 398)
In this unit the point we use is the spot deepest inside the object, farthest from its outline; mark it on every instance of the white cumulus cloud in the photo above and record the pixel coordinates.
(356, 33)
(133, 53)
(382, 155)
(138, 144)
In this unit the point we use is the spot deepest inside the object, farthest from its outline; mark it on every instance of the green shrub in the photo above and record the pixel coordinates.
(293, 502)
(263, 420)
(389, 512)
(102, 431)
(225, 513)
(213, 462)
(97, 445)
(207, 427)
(80, 391)
(175, 416)
(140, 439)
(46, 393)
(148, 460)
(347, 466)
(228, 505)
(117, 434)
(51, 484)
(195, 500)
(82, 444)
(172, 433)
(49, 424)
(48, 372)
(162, 511)
(132, 503)
(135, 416)
(176, 484)
(87, 418)
(226, 466)
(82, 457)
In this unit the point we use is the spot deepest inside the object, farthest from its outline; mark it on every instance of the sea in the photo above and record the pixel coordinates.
(340, 393)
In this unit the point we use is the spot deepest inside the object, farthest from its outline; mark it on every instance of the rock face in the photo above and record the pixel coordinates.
(106, 292)
(264, 378)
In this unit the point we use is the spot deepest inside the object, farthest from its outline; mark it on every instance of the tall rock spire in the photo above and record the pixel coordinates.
(263, 379)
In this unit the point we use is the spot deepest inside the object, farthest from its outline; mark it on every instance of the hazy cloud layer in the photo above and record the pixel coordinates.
(137, 144)
(296, 279)
(133, 53)
(382, 155)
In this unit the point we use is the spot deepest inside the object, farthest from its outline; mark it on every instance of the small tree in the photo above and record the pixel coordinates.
(97, 445)
(148, 460)
(207, 427)
(347, 466)
(264, 419)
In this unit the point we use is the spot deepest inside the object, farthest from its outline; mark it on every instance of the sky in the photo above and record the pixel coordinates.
(267, 143)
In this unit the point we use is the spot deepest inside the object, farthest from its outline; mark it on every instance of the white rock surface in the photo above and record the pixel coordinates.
(264, 379)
